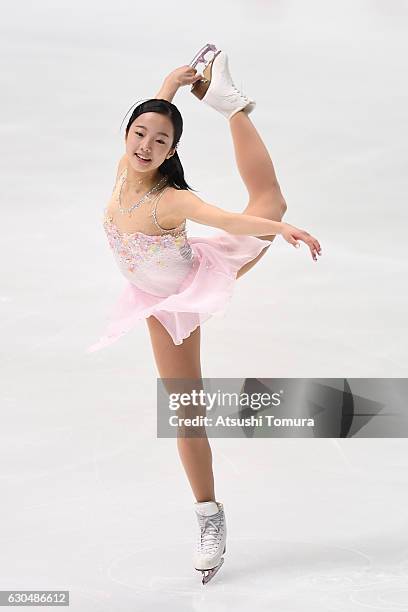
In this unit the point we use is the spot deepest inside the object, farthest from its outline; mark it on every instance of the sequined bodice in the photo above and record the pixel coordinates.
(157, 264)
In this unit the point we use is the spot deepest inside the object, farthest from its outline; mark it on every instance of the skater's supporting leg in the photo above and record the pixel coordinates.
(258, 174)
(183, 362)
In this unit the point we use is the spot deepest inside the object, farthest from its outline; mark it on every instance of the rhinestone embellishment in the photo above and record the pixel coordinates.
(137, 248)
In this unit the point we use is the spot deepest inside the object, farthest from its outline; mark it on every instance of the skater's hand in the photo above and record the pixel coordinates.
(292, 234)
(185, 75)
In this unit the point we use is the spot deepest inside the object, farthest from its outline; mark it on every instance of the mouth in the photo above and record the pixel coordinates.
(142, 160)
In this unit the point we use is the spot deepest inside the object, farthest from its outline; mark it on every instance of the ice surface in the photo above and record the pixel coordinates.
(92, 502)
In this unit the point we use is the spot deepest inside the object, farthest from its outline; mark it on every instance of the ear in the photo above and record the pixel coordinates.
(170, 153)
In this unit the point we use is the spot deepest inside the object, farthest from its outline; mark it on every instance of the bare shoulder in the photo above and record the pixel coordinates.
(180, 195)
(189, 206)
(173, 203)
(182, 200)
(121, 165)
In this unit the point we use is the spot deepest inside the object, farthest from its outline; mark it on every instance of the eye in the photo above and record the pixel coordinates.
(160, 141)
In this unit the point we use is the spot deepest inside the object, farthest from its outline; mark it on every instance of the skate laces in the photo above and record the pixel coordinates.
(210, 531)
(238, 92)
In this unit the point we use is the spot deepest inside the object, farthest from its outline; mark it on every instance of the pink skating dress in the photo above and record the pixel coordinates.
(181, 281)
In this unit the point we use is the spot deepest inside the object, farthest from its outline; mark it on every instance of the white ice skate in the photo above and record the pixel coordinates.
(217, 89)
(211, 543)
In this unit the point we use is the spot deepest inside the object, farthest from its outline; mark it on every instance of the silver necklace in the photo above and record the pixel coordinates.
(142, 199)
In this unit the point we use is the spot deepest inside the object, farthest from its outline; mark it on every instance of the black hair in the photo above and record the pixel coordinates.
(171, 167)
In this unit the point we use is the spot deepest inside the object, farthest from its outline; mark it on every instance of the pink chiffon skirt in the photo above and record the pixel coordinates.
(205, 292)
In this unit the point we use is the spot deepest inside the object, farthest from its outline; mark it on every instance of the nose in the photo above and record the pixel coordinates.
(146, 146)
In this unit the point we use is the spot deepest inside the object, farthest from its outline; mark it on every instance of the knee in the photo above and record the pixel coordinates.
(280, 200)
(283, 206)
(271, 205)
(277, 200)
(192, 439)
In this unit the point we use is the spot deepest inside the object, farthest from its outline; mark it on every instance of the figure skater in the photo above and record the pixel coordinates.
(177, 283)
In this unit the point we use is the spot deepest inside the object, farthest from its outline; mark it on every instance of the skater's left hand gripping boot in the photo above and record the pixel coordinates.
(211, 543)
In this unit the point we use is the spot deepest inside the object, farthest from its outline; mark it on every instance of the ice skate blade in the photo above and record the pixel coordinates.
(209, 574)
(199, 57)
(199, 89)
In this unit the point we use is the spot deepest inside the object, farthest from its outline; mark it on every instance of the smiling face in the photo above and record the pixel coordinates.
(150, 136)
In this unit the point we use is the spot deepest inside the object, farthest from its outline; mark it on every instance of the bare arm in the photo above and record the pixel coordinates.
(168, 90)
(185, 75)
(192, 207)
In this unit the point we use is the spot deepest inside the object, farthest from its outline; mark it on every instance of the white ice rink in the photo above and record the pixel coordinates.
(91, 501)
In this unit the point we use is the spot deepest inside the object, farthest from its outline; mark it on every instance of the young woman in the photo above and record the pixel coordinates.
(175, 282)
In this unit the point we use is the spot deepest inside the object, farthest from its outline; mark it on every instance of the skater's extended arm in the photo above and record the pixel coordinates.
(167, 90)
(185, 75)
(192, 207)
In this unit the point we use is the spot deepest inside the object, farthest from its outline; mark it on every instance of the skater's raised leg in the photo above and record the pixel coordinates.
(258, 174)
(253, 160)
